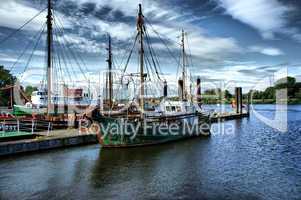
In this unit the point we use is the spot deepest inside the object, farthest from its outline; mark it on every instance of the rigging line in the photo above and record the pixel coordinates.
(27, 47)
(151, 53)
(149, 63)
(56, 52)
(59, 66)
(77, 55)
(127, 49)
(73, 54)
(155, 57)
(32, 53)
(64, 47)
(128, 60)
(67, 54)
(55, 73)
(60, 46)
(59, 57)
(63, 44)
(21, 27)
(43, 83)
(158, 34)
(65, 63)
(190, 57)
(147, 70)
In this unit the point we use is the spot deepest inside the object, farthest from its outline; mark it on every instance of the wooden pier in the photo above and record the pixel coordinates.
(228, 116)
(46, 141)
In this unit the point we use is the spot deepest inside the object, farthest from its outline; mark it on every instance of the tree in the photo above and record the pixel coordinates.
(269, 93)
(29, 89)
(228, 95)
(6, 79)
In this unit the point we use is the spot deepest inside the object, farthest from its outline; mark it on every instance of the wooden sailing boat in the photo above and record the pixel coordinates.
(170, 121)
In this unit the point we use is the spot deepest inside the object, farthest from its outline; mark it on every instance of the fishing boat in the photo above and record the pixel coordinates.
(141, 123)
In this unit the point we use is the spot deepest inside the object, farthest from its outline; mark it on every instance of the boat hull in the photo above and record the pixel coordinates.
(117, 133)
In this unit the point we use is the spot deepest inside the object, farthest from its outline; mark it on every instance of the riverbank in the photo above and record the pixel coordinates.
(254, 101)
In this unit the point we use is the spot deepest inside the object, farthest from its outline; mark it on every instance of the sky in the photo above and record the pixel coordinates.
(234, 42)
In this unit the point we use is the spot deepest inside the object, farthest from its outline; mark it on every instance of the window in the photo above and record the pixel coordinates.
(173, 108)
(168, 108)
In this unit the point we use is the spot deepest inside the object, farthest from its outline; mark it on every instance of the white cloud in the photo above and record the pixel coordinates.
(80, 44)
(14, 14)
(120, 31)
(267, 16)
(7, 58)
(270, 51)
(201, 45)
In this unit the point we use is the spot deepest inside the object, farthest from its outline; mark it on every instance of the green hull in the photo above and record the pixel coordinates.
(146, 133)
(22, 110)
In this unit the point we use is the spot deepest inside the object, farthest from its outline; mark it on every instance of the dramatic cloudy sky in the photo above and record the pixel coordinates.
(231, 40)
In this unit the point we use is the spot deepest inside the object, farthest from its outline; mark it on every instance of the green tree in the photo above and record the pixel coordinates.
(269, 93)
(29, 89)
(228, 95)
(6, 79)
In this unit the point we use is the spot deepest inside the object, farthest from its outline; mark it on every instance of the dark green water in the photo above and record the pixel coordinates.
(254, 162)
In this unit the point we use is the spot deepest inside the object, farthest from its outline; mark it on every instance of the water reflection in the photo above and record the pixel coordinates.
(254, 162)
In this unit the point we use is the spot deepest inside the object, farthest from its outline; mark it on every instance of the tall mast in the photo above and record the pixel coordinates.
(109, 60)
(140, 24)
(184, 66)
(49, 55)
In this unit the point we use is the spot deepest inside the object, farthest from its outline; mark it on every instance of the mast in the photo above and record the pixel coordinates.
(184, 66)
(109, 60)
(49, 55)
(140, 26)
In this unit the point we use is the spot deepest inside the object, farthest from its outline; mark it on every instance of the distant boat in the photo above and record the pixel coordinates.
(39, 101)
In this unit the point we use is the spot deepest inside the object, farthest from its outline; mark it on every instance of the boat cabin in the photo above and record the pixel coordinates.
(176, 107)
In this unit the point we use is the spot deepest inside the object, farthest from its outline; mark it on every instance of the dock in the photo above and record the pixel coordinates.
(46, 141)
(228, 116)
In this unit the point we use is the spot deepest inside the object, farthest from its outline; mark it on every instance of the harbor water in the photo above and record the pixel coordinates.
(250, 161)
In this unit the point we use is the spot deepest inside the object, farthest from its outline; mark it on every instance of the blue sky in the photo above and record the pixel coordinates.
(230, 40)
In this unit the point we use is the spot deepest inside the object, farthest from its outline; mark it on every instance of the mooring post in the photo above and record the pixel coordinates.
(238, 100)
(165, 89)
(181, 91)
(198, 91)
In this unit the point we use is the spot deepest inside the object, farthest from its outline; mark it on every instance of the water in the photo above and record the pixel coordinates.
(253, 162)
